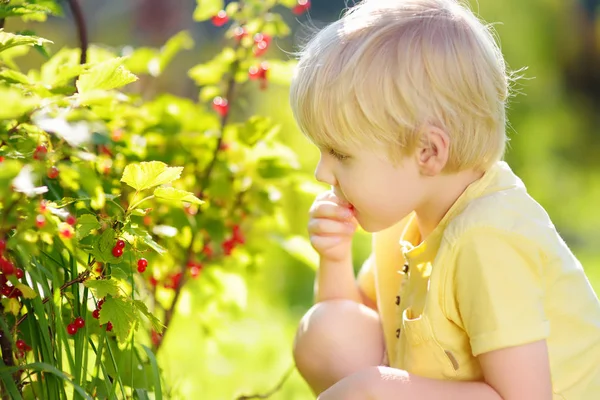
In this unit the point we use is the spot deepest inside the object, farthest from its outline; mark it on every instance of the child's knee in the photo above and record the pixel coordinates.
(335, 339)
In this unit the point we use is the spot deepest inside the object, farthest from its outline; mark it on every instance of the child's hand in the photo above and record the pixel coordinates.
(331, 227)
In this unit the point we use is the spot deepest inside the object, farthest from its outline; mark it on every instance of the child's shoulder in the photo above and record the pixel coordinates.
(504, 206)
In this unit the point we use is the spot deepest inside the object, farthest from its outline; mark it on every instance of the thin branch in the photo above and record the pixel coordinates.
(7, 352)
(82, 277)
(81, 29)
(272, 391)
(2, 21)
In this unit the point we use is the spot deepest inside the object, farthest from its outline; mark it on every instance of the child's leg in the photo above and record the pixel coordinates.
(335, 339)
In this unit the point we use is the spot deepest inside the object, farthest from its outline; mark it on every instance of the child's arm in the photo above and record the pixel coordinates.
(517, 373)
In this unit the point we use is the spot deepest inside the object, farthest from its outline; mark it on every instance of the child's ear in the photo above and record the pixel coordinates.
(432, 154)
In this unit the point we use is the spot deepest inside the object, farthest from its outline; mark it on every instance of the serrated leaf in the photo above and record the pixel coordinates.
(182, 40)
(103, 245)
(28, 292)
(121, 313)
(85, 224)
(156, 324)
(8, 40)
(107, 75)
(102, 287)
(170, 193)
(206, 9)
(145, 175)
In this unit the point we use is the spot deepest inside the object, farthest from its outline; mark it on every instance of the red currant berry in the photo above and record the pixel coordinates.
(16, 293)
(19, 273)
(79, 322)
(6, 290)
(109, 326)
(239, 33)
(301, 7)
(220, 19)
(40, 152)
(195, 270)
(153, 281)
(66, 233)
(8, 268)
(120, 244)
(21, 345)
(117, 251)
(141, 269)
(53, 172)
(71, 329)
(1, 159)
(96, 314)
(2, 245)
(40, 221)
(100, 302)
(221, 106)
(71, 220)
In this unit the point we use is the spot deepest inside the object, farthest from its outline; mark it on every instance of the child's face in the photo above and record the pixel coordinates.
(381, 192)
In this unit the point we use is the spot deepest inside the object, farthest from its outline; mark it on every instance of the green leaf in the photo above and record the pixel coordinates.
(12, 76)
(102, 287)
(11, 305)
(28, 292)
(107, 75)
(182, 40)
(121, 313)
(103, 245)
(206, 9)
(170, 193)
(85, 224)
(156, 324)
(145, 175)
(210, 73)
(15, 103)
(8, 40)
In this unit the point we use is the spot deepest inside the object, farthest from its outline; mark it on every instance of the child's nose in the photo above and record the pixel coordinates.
(324, 174)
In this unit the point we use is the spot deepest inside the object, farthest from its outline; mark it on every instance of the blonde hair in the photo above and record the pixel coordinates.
(388, 68)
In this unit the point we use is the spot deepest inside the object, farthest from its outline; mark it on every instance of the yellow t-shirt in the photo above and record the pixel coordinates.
(494, 274)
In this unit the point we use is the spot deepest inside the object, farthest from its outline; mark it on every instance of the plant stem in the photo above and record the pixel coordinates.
(82, 277)
(81, 29)
(272, 391)
(2, 21)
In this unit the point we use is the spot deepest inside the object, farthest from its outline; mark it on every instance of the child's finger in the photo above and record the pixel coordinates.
(322, 243)
(325, 226)
(326, 209)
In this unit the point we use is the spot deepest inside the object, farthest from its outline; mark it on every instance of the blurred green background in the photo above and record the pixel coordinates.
(554, 147)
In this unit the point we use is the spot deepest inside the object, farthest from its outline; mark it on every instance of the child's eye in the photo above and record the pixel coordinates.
(337, 155)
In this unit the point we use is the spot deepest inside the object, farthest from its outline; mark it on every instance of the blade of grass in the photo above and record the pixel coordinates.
(118, 375)
(155, 373)
(53, 370)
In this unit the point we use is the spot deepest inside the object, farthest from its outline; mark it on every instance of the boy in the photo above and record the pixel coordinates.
(470, 293)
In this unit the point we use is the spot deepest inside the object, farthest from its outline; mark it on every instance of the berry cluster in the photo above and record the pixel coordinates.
(237, 238)
(117, 251)
(22, 348)
(8, 268)
(74, 326)
(301, 7)
(141, 265)
(96, 315)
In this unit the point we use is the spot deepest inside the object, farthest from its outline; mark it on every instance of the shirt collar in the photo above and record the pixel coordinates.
(499, 177)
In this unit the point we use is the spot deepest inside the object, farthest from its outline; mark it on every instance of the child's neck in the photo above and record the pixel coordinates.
(445, 190)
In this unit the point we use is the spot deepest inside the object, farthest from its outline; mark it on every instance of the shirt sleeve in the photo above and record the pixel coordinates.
(366, 279)
(499, 290)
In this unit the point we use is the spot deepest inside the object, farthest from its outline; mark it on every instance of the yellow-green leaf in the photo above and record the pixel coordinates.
(11, 305)
(121, 313)
(102, 287)
(12, 76)
(206, 9)
(15, 103)
(8, 40)
(107, 75)
(210, 73)
(85, 224)
(28, 292)
(145, 175)
(170, 193)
